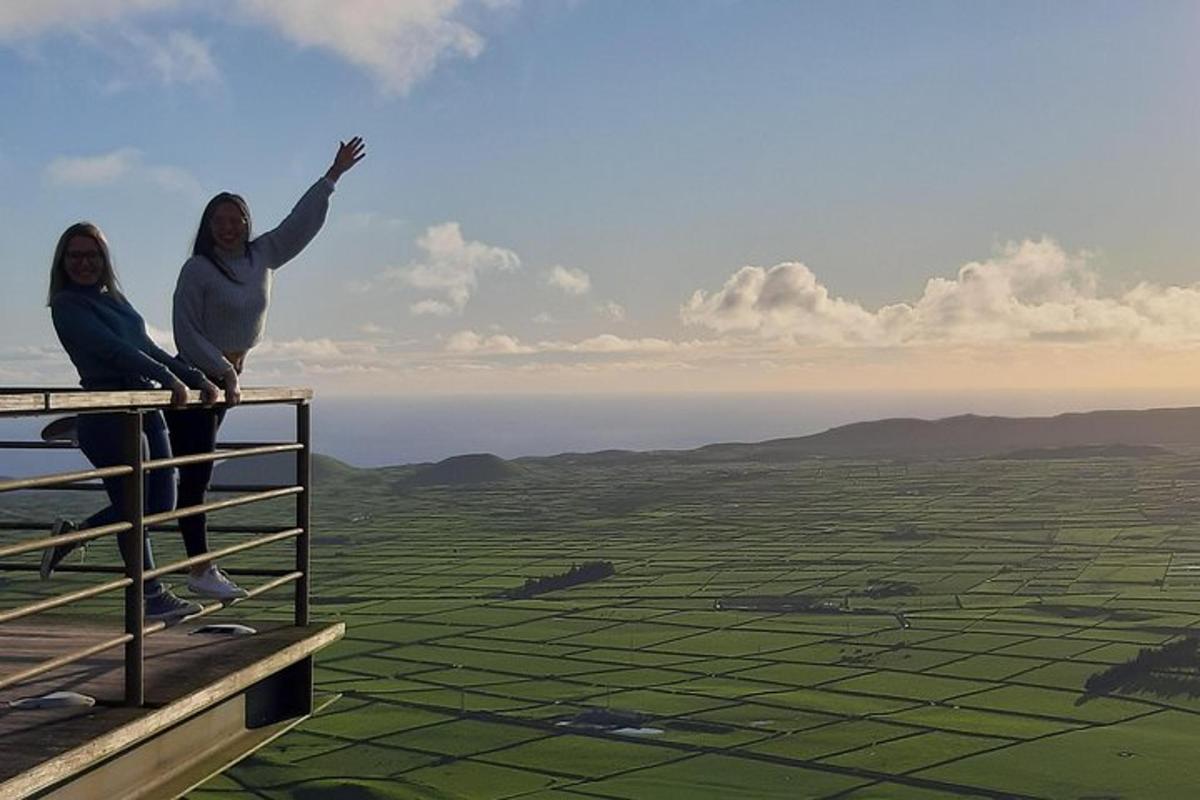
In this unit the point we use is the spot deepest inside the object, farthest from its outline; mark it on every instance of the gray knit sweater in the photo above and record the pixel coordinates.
(214, 315)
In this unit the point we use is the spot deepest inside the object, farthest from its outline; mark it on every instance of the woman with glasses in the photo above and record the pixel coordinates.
(220, 311)
(107, 342)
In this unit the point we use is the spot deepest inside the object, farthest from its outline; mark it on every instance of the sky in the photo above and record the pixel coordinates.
(608, 195)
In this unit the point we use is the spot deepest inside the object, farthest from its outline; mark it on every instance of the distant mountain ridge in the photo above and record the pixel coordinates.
(969, 435)
(1106, 434)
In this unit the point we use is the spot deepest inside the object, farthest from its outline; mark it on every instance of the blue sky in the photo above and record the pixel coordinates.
(597, 195)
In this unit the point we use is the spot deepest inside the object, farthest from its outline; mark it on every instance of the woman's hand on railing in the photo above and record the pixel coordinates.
(233, 390)
(179, 394)
(209, 393)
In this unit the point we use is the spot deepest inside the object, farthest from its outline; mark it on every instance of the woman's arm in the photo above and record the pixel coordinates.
(191, 376)
(87, 338)
(187, 320)
(281, 245)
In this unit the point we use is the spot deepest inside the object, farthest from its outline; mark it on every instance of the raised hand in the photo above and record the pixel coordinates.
(348, 154)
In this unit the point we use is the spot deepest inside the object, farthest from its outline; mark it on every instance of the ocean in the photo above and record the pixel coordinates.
(376, 431)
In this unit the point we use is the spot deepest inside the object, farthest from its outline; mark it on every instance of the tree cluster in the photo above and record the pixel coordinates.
(1181, 653)
(577, 574)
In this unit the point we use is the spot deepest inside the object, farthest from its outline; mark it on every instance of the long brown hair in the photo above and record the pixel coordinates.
(204, 244)
(59, 279)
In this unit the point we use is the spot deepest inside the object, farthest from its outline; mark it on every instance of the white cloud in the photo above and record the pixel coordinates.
(544, 318)
(25, 18)
(610, 343)
(612, 310)
(472, 343)
(570, 280)
(1029, 291)
(92, 170)
(431, 308)
(119, 165)
(373, 329)
(399, 43)
(180, 57)
(451, 266)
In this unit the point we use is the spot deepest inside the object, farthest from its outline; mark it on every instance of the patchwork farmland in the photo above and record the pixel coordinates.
(846, 629)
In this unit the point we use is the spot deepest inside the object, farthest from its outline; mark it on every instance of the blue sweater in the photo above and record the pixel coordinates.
(107, 342)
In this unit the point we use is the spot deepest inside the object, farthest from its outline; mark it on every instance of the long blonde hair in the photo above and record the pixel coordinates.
(59, 279)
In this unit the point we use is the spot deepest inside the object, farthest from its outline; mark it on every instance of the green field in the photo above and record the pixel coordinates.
(965, 604)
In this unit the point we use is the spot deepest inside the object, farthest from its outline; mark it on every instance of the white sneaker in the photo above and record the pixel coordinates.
(215, 584)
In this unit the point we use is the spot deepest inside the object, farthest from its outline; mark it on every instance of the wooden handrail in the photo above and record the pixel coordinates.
(23, 401)
(127, 407)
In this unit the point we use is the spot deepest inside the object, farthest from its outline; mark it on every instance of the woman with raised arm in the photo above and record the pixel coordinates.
(107, 342)
(220, 312)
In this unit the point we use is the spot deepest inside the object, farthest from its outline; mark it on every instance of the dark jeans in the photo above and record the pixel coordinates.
(194, 430)
(100, 441)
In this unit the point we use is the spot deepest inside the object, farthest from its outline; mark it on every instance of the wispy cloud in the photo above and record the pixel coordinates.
(399, 43)
(568, 279)
(613, 310)
(477, 344)
(97, 170)
(470, 342)
(116, 166)
(178, 57)
(25, 18)
(1029, 291)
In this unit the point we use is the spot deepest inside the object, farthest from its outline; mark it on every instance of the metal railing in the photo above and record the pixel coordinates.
(130, 406)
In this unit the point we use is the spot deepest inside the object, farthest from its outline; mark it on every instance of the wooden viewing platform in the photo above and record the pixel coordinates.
(173, 705)
(211, 700)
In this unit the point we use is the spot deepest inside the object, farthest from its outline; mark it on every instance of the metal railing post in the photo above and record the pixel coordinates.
(303, 508)
(132, 548)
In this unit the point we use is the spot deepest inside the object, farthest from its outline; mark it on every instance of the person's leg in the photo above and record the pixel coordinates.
(100, 441)
(158, 490)
(194, 431)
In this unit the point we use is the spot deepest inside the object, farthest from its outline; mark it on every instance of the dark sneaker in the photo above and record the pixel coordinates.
(167, 606)
(53, 556)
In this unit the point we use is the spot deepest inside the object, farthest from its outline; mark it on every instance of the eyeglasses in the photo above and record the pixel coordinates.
(85, 255)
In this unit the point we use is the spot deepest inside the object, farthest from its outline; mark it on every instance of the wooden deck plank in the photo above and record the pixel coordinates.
(184, 674)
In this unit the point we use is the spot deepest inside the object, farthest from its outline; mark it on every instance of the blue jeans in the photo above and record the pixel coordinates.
(100, 441)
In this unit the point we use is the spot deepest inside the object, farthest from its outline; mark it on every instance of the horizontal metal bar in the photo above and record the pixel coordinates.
(218, 505)
(85, 535)
(113, 569)
(219, 455)
(222, 552)
(243, 445)
(71, 487)
(36, 445)
(62, 600)
(64, 477)
(211, 608)
(226, 528)
(40, 525)
(256, 572)
(27, 566)
(63, 661)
